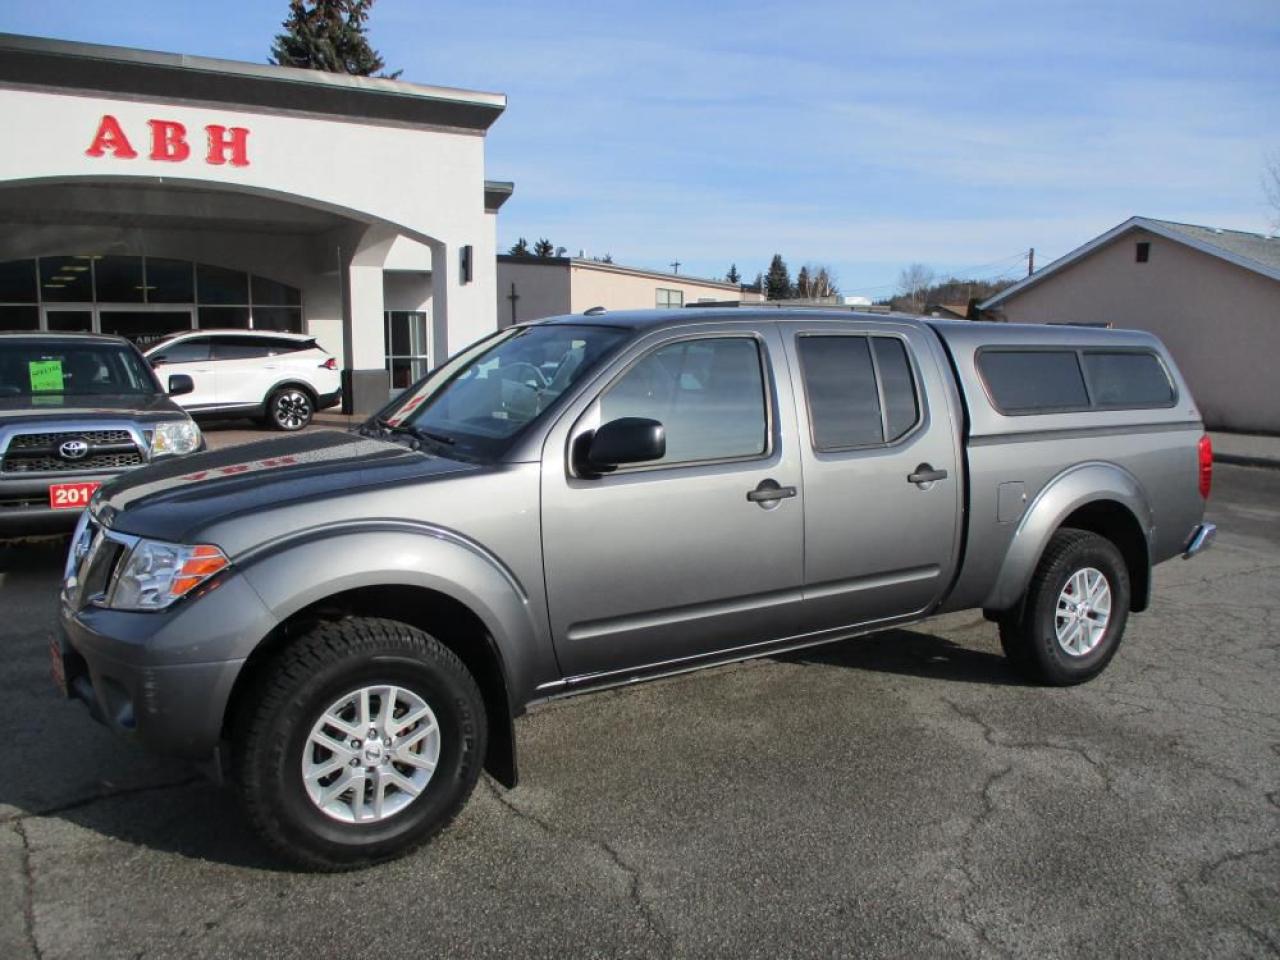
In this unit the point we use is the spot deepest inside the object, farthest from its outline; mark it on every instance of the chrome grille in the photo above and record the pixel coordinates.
(43, 441)
(109, 449)
(47, 464)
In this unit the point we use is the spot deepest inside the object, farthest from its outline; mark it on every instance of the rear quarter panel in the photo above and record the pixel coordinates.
(1147, 456)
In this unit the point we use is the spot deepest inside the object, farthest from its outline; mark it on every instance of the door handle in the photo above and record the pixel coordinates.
(769, 492)
(926, 474)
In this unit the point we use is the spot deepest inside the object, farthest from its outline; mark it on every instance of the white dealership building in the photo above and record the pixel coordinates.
(143, 193)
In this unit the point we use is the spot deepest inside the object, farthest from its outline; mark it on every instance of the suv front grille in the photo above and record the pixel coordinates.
(41, 452)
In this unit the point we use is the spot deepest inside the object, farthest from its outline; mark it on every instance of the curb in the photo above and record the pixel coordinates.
(1237, 460)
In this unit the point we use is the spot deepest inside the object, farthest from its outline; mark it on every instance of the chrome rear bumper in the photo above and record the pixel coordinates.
(1201, 538)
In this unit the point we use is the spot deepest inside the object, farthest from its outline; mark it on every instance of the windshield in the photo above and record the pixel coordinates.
(49, 368)
(480, 400)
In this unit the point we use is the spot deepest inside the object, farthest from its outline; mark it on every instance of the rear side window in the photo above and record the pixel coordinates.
(1034, 381)
(860, 390)
(1127, 380)
(243, 348)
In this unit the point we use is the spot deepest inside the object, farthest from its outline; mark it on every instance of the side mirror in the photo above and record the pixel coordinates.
(180, 383)
(626, 440)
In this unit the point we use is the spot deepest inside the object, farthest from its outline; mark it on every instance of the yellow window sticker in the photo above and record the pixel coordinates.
(46, 375)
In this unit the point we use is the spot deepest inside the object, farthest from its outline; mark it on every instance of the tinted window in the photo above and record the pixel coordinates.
(118, 279)
(224, 318)
(272, 293)
(31, 369)
(66, 279)
(241, 348)
(18, 281)
(19, 318)
(1033, 381)
(840, 382)
(901, 410)
(219, 285)
(170, 281)
(1127, 380)
(284, 319)
(707, 393)
(184, 351)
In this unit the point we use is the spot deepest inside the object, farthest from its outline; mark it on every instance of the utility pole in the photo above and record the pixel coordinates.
(675, 266)
(513, 297)
(1031, 261)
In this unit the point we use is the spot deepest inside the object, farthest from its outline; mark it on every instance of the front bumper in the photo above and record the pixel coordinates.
(24, 504)
(164, 679)
(1202, 538)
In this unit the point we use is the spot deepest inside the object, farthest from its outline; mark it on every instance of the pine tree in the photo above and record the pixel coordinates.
(328, 35)
(544, 248)
(733, 276)
(804, 285)
(778, 281)
(520, 248)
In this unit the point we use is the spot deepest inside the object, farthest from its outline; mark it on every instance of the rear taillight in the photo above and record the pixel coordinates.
(1206, 466)
(330, 364)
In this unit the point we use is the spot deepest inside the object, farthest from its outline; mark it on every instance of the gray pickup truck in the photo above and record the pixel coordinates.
(349, 622)
(77, 409)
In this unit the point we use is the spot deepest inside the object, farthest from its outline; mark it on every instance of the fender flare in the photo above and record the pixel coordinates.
(1073, 488)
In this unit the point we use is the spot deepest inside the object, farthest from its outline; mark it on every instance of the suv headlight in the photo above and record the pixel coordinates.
(155, 574)
(175, 438)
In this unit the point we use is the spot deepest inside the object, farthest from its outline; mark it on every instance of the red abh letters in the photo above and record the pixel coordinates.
(169, 142)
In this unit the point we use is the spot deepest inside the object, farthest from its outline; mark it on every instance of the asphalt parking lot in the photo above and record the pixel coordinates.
(900, 795)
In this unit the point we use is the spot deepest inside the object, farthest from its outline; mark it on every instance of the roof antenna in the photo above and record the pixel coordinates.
(593, 312)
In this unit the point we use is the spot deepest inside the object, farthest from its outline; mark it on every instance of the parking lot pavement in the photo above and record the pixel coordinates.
(899, 795)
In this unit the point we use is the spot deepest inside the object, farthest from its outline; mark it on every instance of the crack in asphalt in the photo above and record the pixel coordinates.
(990, 735)
(28, 891)
(81, 802)
(988, 810)
(651, 918)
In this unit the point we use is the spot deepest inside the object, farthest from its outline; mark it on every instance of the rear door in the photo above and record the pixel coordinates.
(244, 369)
(661, 562)
(190, 356)
(881, 470)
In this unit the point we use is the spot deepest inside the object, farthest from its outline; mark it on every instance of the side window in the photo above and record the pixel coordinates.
(708, 394)
(1127, 379)
(848, 406)
(1033, 381)
(194, 350)
(241, 348)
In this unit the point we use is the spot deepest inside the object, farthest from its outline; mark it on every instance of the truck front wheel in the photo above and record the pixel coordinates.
(1074, 612)
(363, 740)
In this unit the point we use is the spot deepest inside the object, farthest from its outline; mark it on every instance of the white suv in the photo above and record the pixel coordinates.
(282, 377)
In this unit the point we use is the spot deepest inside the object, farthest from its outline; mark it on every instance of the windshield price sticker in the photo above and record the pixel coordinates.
(46, 375)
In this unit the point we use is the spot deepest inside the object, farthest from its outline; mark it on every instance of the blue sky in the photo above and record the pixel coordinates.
(860, 135)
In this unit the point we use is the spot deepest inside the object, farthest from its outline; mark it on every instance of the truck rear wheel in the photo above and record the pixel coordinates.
(1074, 612)
(363, 740)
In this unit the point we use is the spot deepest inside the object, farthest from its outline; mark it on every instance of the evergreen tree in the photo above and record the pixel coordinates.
(804, 285)
(544, 248)
(758, 286)
(520, 248)
(328, 35)
(778, 281)
(733, 276)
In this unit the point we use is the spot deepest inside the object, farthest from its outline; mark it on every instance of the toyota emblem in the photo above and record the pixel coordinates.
(73, 450)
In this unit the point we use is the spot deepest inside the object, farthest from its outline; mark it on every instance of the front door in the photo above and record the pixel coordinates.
(882, 479)
(669, 560)
(192, 357)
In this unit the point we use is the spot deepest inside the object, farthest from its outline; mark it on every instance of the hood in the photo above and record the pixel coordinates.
(174, 500)
(111, 406)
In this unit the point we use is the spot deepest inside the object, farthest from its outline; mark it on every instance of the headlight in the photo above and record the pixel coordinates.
(175, 438)
(156, 574)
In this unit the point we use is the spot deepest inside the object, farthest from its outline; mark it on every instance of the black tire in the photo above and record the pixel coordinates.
(296, 688)
(1029, 634)
(290, 409)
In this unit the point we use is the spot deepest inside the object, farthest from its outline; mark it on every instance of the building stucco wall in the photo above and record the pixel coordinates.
(597, 285)
(542, 288)
(1221, 322)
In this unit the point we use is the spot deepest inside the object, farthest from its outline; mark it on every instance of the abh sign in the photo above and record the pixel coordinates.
(169, 142)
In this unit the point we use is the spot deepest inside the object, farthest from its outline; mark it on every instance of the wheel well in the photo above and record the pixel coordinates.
(301, 385)
(1116, 522)
(449, 621)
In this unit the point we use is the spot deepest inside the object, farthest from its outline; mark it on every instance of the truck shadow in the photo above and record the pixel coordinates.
(912, 653)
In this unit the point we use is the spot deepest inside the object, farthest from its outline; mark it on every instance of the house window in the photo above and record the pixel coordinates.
(670, 298)
(1142, 251)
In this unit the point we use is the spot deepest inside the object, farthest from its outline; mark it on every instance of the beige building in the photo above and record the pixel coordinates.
(1213, 296)
(530, 288)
